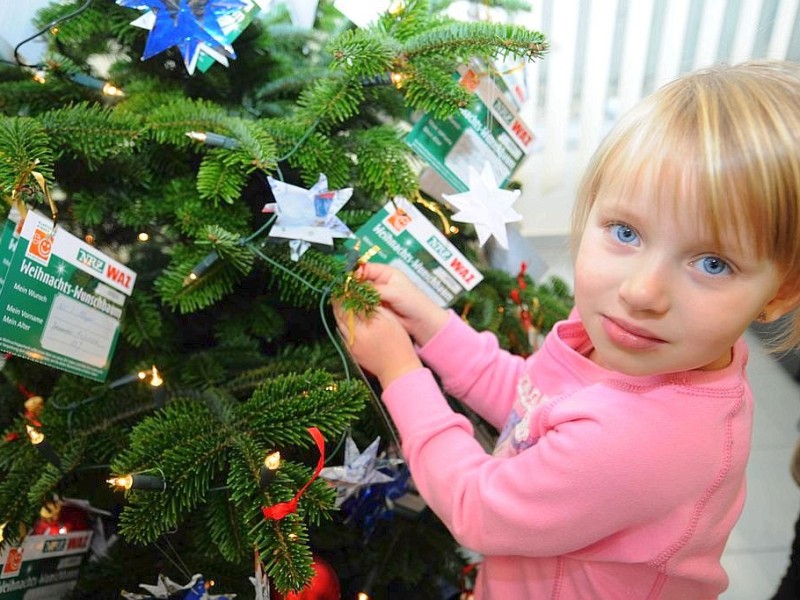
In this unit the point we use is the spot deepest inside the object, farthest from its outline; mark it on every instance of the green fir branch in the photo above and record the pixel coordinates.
(24, 143)
(169, 123)
(93, 28)
(412, 17)
(141, 322)
(29, 97)
(235, 261)
(225, 527)
(281, 409)
(189, 444)
(16, 509)
(463, 40)
(329, 102)
(218, 181)
(90, 132)
(383, 168)
(312, 153)
(289, 359)
(431, 87)
(192, 214)
(362, 52)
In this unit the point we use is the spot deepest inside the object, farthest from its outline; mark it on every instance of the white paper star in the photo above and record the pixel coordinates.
(260, 581)
(165, 588)
(486, 206)
(308, 215)
(357, 471)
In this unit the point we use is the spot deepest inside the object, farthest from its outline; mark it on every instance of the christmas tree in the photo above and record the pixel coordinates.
(159, 146)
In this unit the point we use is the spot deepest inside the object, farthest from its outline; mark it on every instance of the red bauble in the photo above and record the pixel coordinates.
(324, 584)
(60, 519)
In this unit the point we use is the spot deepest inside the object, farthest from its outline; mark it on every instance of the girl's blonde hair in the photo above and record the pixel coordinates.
(724, 142)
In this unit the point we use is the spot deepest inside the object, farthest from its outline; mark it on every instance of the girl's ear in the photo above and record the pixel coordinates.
(785, 301)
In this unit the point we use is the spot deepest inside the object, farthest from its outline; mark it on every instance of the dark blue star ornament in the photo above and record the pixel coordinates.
(197, 28)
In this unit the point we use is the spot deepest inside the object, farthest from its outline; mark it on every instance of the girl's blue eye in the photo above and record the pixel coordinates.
(624, 234)
(713, 265)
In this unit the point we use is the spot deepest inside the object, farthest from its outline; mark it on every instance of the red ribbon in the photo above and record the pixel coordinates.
(278, 511)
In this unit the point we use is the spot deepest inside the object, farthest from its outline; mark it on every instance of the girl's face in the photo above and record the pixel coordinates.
(658, 295)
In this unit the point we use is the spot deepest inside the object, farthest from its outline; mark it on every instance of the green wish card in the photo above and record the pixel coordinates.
(62, 300)
(406, 240)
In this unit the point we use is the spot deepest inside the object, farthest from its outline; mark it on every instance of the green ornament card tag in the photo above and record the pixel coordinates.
(408, 241)
(8, 244)
(489, 130)
(62, 300)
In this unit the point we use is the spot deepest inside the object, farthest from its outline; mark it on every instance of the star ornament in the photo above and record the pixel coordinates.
(308, 216)
(165, 589)
(486, 206)
(196, 28)
(358, 471)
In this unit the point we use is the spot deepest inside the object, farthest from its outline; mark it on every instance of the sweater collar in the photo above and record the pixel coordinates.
(570, 344)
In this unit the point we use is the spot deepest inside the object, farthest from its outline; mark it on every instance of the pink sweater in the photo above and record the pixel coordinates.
(602, 486)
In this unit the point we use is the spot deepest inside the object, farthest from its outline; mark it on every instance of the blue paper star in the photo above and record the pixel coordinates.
(188, 25)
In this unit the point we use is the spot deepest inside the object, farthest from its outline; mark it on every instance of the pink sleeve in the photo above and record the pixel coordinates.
(474, 369)
(560, 495)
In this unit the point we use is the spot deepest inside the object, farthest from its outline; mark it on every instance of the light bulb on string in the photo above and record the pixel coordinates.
(213, 139)
(157, 385)
(200, 268)
(137, 481)
(267, 472)
(397, 79)
(366, 590)
(106, 87)
(129, 378)
(43, 446)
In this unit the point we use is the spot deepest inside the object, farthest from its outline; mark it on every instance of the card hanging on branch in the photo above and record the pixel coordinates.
(486, 206)
(408, 241)
(490, 129)
(62, 300)
(308, 216)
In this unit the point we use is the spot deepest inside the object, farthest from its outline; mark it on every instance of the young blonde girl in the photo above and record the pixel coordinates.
(620, 469)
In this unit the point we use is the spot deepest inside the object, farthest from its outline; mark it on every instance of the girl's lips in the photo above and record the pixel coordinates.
(629, 336)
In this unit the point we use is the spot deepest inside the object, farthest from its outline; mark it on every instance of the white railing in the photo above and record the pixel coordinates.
(605, 55)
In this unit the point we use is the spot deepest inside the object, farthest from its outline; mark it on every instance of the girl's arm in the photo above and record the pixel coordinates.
(473, 368)
(590, 476)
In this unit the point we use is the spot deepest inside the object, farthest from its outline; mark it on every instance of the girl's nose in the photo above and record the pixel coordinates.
(646, 287)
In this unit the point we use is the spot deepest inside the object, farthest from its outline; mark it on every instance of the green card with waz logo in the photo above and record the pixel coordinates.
(408, 241)
(62, 300)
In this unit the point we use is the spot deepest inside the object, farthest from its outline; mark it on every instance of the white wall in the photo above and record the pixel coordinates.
(15, 26)
(605, 55)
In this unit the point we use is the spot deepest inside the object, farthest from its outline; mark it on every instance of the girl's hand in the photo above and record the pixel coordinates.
(420, 316)
(380, 343)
